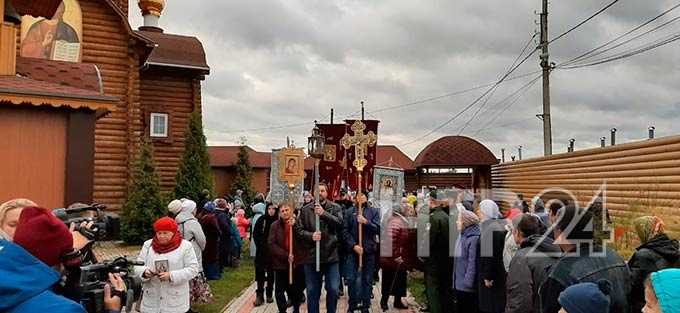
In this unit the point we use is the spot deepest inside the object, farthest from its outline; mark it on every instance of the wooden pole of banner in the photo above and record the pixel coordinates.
(360, 142)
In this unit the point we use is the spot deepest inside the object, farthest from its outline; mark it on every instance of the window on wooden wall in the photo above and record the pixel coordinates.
(159, 125)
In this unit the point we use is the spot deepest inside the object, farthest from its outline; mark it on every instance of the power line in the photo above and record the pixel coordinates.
(518, 95)
(588, 53)
(630, 53)
(584, 21)
(384, 109)
(473, 102)
(521, 53)
(481, 130)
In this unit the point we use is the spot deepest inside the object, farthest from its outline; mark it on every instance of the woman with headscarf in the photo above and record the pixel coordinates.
(395, 263)
(465, 262)
(263, 269)
(661, 292)
(656, 252)
(170, 263)
(211, 229)
(491, 271)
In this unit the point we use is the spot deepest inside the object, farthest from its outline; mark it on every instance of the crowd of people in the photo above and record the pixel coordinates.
(475, 255)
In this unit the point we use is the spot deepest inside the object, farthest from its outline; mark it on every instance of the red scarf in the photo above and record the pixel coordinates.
(173, 244)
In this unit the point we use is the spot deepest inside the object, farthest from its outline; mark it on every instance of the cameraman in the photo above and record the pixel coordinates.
(27, 282)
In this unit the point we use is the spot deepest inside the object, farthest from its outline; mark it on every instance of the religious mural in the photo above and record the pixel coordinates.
(57, 38)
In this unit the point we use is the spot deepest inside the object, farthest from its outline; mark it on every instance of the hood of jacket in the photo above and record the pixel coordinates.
(542, 244)
(664, 246)
(259, 208)
(186, 212)
(23, 276)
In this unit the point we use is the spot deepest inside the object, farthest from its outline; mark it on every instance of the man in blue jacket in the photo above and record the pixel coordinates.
(359, 281)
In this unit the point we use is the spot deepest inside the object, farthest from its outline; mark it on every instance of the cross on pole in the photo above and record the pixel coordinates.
(360, 142)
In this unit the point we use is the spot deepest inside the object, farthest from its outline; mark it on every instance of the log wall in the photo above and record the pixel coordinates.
(174, 94)
(106, 43)
(642, 178)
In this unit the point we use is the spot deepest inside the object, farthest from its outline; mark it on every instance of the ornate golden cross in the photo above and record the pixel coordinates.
(360, 142)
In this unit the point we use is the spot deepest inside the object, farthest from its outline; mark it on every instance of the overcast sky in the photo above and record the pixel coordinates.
(276, 63)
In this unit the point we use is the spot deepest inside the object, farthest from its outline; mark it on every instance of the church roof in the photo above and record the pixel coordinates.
(455, 151)
(175, 51)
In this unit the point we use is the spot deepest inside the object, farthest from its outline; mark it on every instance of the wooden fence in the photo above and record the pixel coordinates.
(641, 178)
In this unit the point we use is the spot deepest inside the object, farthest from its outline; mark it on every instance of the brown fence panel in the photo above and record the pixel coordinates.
(641, 178)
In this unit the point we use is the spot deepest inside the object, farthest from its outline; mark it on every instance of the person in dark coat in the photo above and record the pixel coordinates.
(226, 240)
(439, 265)
(656, 252)
(279, 251)
(528, 266)
(346, 204)
(330, 224)
(580, 264)
(263, 270)
(465, 262)
(360, 280)
(211, 253)
(397, 256)
(491, 271)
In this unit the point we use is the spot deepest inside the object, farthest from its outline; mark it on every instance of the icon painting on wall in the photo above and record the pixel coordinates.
(57, 38)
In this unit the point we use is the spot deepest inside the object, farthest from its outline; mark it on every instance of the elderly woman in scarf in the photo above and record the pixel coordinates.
(169, 264)
(491, 271)
(656, 252)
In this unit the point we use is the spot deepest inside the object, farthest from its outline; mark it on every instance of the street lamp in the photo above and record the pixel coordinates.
(315, 149)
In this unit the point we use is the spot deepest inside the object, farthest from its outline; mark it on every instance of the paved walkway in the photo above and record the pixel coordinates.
(244, 303)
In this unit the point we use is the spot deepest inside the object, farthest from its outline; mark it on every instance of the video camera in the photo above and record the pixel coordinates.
(93, 278)
(105, 226)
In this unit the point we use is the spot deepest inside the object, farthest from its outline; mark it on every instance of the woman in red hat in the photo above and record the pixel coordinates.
(170, 263)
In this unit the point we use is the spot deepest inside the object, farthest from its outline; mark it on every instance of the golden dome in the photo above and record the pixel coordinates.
(152, 7)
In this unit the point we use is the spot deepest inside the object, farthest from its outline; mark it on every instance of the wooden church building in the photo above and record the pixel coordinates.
(79, 89)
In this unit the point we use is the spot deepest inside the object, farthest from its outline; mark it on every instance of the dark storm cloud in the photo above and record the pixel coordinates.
(278, 62)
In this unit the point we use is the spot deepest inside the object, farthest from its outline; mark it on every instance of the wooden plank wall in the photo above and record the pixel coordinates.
(163, 92)
(642, 178)
(106, 43)
(33, 158)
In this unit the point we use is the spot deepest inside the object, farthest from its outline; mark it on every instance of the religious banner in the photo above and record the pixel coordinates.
(388, 185)
(332, 167)
(368, 153)
(58, 37)
(287, 169)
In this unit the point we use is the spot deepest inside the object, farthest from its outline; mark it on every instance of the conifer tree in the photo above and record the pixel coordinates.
(144, 204)
(244, 177)
(194, 174)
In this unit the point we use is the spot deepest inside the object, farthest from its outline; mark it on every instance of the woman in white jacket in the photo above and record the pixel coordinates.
(169, 264)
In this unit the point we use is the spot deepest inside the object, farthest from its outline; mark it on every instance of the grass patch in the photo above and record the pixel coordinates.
(233, 281)
(416, 286)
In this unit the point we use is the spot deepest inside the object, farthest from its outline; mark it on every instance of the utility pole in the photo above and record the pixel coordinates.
(547, 67)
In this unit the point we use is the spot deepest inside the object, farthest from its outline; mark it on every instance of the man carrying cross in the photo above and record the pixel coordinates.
(360, 279)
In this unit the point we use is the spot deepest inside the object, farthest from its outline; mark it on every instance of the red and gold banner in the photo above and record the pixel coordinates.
(331, 168)
(369, 155)
(336, 166)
